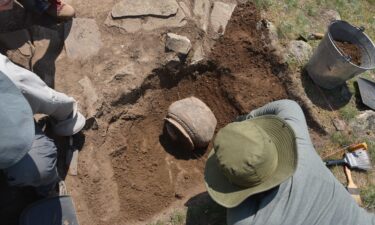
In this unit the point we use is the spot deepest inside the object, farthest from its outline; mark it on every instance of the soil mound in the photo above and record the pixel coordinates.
(150, 171)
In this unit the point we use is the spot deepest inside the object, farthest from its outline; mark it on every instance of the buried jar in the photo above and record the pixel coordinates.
(191, 123)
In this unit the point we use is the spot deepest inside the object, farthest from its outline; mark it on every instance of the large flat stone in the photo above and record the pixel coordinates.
(131, 8)
(220, 16)
(202, 12)
(83, 40)
(133, 25)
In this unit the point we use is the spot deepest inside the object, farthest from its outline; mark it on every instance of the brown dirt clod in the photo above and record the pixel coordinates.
(350, 50)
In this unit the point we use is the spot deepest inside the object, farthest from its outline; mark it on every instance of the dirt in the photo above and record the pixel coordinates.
(129, 170)
(350, 50)
(150, 171)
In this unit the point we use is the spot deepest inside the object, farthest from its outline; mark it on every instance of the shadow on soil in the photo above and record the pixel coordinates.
(39, 28)
(202, 210)
(183, 152)
(326, 99)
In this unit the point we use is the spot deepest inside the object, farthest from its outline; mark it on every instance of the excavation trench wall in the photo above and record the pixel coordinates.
(133, 172)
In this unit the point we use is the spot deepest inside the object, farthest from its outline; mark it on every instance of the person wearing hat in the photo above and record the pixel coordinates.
(264, 170)
(27, 156)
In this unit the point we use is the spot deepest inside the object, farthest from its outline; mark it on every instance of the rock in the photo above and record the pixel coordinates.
(340, 125)
(198, 55)
(83, 40)
(300, 50)
(202, 12)
(329, 15)
(220, 15)
(185, 8)
(123, 72)
(177, 43)
(131, 8)
(18, 47)
(90, 95)
(133, 25)
(363, 122)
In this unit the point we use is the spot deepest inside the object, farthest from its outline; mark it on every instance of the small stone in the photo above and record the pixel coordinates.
(177, 43)
(202, 12)
(185, 8)
(221, 14)
(178, 195)
(300, 50)
(198, 55)
(132, 25)
(84, 39)
(131, 8)
(363, 122)
(340, 125)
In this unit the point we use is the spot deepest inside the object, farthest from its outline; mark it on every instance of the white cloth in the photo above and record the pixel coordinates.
(42, 99)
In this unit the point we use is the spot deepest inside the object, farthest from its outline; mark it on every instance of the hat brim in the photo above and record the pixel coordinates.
(230, 195)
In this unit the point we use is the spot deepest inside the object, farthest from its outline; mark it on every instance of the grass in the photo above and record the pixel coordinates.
(368, 197)
(348, 112)
(302, 17)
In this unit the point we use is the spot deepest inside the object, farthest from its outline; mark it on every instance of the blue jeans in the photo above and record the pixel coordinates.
(38, 167)
(38, 6)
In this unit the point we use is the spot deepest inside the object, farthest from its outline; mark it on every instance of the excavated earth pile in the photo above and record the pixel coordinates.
(130, 170)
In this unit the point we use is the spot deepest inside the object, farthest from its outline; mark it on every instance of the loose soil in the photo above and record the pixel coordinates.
(151, 172)
(129, 170)
(350, 50)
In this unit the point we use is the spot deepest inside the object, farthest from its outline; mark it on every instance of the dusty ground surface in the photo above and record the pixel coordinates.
(129, 171)
(150, 173)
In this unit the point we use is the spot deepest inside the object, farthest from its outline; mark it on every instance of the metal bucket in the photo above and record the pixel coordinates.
(328, 67)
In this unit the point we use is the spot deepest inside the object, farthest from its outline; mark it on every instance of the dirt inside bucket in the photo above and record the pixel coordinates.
(150, 171)
(350, 50)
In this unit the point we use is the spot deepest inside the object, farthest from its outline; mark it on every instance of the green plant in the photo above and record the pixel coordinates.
(157, 223)
(311, 10)
(263, 4)
(291, 3)
(178, 218)
(348, 112)
(340, 138)
(285, 30)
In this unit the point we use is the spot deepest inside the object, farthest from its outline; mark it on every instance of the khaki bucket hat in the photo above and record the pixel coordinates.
(250, 157)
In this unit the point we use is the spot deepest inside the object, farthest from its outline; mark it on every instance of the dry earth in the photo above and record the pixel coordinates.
(129, 171)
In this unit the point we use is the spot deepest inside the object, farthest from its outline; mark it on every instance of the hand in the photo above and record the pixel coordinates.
(6, 5)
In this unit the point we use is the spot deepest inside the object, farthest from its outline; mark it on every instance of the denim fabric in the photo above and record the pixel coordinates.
(39, 6)
(38, 167)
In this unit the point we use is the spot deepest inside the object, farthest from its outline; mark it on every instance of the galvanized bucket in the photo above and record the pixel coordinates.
(328, 67)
